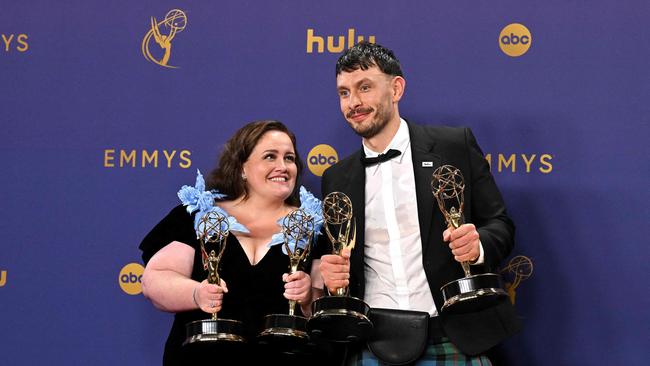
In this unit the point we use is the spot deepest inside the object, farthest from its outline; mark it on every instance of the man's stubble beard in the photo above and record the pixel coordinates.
(379, 122)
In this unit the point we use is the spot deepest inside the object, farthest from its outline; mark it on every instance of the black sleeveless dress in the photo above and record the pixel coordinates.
(253, 291)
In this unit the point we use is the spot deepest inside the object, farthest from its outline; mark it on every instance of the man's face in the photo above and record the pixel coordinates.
(367, 100)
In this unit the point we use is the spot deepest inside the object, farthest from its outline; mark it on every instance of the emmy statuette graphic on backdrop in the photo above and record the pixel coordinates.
(339, 317)
(519, 269)
(176, 21)
(213, 233)
(472, 292)
(288, 332)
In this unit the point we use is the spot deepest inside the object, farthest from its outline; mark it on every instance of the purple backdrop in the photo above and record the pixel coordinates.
(96, 140)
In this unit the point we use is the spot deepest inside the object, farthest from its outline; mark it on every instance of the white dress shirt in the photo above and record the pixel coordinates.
(393, 249)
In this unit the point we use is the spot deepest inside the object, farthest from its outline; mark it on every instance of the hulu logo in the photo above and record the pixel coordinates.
(341, 41)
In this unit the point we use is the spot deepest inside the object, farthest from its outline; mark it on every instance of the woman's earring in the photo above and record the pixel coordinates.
(243, 176)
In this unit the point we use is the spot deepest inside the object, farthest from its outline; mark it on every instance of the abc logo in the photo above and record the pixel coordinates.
(320, 158)
(131, 278)
(515, 40)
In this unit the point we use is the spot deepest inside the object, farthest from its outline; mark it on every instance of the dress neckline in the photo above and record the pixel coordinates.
(243, 253)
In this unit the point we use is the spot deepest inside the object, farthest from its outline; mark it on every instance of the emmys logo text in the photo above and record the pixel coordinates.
(518, 162)
(3, 278)
(119, 158)
(332, 46)
(163, 33)
(320, 158)
(515, 39)
(130, 278)
(16, 42)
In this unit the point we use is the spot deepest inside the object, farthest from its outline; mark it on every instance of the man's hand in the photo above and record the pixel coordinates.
(463, 242)
(335, 270)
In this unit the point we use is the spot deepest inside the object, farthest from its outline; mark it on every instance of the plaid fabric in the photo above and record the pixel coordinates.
(442, 354)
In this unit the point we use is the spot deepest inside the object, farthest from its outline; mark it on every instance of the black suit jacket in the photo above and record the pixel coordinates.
(472, 333)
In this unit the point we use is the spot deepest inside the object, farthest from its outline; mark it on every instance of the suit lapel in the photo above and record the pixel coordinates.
(357, 189)
(424, 163)
(354, 185)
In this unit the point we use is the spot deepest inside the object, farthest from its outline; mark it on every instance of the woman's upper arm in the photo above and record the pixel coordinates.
(175, 256)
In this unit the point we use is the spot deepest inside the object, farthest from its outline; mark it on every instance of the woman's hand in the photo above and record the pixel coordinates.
(209, 297)
(297, 287)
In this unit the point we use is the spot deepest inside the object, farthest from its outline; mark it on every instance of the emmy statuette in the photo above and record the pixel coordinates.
(213, 232)
(472, 292)
(339, 317)
(288, 332)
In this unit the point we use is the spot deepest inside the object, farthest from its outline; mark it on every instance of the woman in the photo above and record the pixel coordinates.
(255, 186)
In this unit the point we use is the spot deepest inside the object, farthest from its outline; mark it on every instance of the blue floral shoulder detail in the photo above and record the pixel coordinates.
(311, 206)
(197, 198)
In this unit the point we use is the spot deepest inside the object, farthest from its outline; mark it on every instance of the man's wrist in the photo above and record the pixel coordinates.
(481, 255)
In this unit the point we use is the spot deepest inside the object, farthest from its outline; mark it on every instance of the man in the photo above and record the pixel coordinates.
(404, 251)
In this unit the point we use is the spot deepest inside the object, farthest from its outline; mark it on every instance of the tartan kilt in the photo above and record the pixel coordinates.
(441, 354)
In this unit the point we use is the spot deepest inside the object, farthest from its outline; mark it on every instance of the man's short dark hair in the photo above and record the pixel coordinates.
(365, 55)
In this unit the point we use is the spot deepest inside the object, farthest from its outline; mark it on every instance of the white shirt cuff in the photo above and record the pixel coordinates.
(481, 255)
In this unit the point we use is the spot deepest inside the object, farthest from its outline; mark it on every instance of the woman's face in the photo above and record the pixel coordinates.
(271, 167)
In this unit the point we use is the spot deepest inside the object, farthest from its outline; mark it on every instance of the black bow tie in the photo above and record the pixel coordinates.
(380, 158)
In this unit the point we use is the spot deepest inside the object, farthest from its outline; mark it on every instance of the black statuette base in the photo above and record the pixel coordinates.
(340, 319)
(472, 293)
(210, 331)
